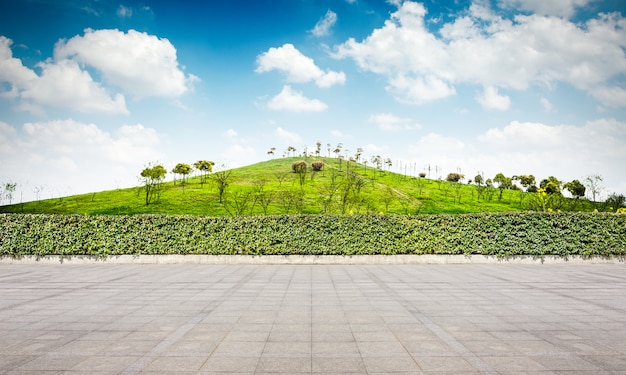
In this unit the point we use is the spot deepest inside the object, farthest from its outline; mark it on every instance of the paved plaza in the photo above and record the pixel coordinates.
(290, 319)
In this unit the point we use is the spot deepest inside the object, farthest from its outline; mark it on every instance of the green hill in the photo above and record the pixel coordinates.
(270, 187)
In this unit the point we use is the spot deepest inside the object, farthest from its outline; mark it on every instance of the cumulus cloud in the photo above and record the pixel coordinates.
(565, 151)
(482, 47)
(490, 99)
(390, 122)
(135, 62)
(61, 84)
(323, 26)
(298, 67)
(73, 154)
(65, 84)
(141, 64)
(290, 100)
(564, 8)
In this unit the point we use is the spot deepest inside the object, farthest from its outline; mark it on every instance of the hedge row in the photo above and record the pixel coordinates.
(535, 234)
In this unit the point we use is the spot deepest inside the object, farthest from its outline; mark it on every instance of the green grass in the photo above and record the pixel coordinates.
(273, 181)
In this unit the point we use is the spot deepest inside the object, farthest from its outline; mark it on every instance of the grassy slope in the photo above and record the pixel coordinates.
(381, 192)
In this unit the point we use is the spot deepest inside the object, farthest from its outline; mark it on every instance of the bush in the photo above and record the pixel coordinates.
(533, 234)
(317, 165)
(298, 166)
(454, 177)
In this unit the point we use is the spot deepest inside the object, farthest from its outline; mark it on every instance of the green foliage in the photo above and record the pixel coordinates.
(575, 188)
(532, 234)
(183, 170)
(352, 187)
(152, 178)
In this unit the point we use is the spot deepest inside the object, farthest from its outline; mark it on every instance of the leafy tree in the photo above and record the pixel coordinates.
(271, 151)
(616, 201)
(152, 177)
(503, 183)
(222, 178)
(318, 148)
(183, 170)
(205, 167)
(528, 182)
(594, 184)
(575, 188)
(551, 185)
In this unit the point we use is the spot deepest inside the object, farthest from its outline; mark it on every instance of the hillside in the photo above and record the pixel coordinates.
(270, 187)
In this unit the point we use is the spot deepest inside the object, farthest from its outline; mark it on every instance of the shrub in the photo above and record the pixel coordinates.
(454, 177)
(298, 166)
(317, 165)
(532, 234)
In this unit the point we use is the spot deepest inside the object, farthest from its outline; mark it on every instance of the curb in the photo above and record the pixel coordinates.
(310, 259)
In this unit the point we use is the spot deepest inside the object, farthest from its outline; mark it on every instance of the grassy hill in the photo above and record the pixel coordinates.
(270, 187)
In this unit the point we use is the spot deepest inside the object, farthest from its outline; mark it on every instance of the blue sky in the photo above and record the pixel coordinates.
(92, 91)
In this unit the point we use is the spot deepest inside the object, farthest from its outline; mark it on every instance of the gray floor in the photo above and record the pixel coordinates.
(433, 319)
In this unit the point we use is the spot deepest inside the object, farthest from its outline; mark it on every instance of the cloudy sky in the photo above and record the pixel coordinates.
(92, 91)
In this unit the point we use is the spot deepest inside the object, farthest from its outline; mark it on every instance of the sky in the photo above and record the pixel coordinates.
(92, 92)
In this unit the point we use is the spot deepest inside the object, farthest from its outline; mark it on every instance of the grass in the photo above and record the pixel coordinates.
(270, 187)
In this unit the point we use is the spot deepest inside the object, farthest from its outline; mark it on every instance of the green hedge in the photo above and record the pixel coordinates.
(535, 234)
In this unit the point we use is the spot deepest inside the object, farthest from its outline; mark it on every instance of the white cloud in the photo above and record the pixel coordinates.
(490, 99)
(298, 67)
(239, 155)
(286, 136)
(124, 12)
(65, 84)
(481, 47)
(290, 100)
(141, 64)
(390, 122)
(68, 153)
(547, 105)
(230, 133)
(565, 151)
(138, 63)
(61, 84)
(339, 134)
(564, 8)
(323, 26)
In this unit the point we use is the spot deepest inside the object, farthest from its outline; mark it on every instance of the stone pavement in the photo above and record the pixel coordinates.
(289, 319)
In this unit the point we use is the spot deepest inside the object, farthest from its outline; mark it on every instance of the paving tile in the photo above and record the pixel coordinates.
(161, 319)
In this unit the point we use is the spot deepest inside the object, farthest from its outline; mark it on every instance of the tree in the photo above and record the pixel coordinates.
(594, 184)
(222, 179)
(389, 163)
(183, 170)
(575, 188)
(616, 201)
(271, 151)
(9, 189)
(151, 177)
(528, 182)
(503, 183)
(318, 148)
(551, 185)
(359, 152)
(291, 150)
(205, 167)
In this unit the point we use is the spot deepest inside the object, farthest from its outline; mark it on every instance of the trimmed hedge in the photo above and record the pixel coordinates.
(535, 234)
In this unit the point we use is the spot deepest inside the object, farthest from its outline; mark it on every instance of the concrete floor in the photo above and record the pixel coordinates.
(289, 319)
